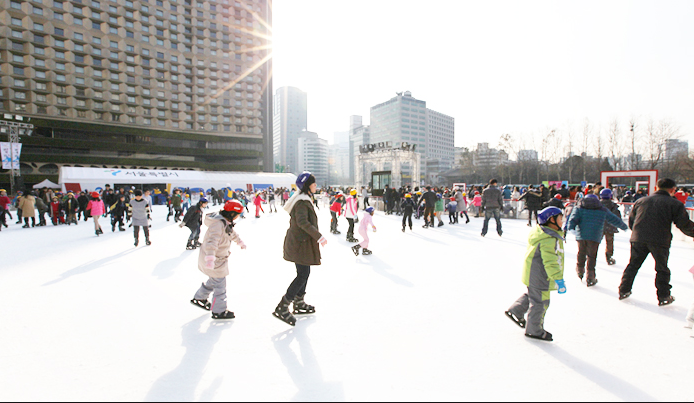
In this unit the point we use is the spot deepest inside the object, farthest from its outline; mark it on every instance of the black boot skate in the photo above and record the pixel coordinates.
(591, 282)
(611, 261)
(137, 241)
(547, 336)
(403, 229)
(366, 252)
(624, 295)
(201, 303)
(355, 249)
(224, 315)
(147, 242)
(282, 312)
(518, 321)
(189, 245)
(441, 224)
(196, 243)
(301, 307)
(667, 301)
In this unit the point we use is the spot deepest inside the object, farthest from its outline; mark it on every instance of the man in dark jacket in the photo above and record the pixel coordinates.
(82, 200)
(610, 230)
(651, 221)
(492, 202)
(193, 220)
(429, 199)
(555, 202)
(533, 202)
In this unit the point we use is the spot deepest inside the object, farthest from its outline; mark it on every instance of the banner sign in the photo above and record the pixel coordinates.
(7, 152)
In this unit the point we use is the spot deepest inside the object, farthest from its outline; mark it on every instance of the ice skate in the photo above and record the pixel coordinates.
(197, 244)
(611, 261)
(624, 295)
(201, 303)
(97, 233)
(441, 224)
(355, 249)
(403, 229)
(592, 282)
(667, 301)
(518, 321)
(223, 316)
(147, 242)
(547, 336)
(282, 312)
(189, 245)
(366, 252)
(301, 307)
(121, 229)
(137, 241)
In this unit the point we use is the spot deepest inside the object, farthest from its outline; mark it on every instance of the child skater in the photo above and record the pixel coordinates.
(193, 220)
(96, 209)
(139, 211)
(408, 207)
(366, 221)
(543, 272)
(351, 210)
(214, 259)
(452, 211)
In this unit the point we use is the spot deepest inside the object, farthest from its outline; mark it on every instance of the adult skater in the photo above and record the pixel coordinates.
(543, 271)
(300, 247)
(650, 222)
(95, 209)
(533, 203)
(609, 230)
(193, 220)
(408, 207)
(4, 207)
(82, 200)
(492, 203)
(139, 211)
(588, 221)
(351, 210)
(365, 196)
(214, 259)
(271, 200)
(429, 199)
(367, 221)
(27, 205)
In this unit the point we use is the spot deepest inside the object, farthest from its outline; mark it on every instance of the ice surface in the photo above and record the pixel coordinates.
(87, 318)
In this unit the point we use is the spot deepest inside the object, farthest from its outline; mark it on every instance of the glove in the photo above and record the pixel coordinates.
(561, 286)
(209, 262)
(242, 245)
(374, 228)
(323, 241)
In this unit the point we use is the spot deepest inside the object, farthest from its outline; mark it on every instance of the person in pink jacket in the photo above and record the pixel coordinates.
(257, 201)
(477, 202)
(690, 315)
(351, 209)
(96, 209)
(363, 227)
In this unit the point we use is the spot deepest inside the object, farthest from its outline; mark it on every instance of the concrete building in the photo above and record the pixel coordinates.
(338, 160)
(313, 156)
(167, 84)
(487, 157)
(675, 148)
(527, 155)
(440, 155)
(359, 135)
(289, 122)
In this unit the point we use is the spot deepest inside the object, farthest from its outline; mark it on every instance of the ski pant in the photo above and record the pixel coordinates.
(257, 210)
(145, 229)
(639, 253)
(365, 243)
(96, 222)
(690, 315)
(298, 286)
(219, 287)
(587, 252)
(407, 216)
(438, 215)
(530, 216)
(429, 211)
(71, 216)
(535, 302)
(194, 233)
(272, 205)
(333, 221)
(609, 245)
(488, 214)
(350, 231)
(366, 202)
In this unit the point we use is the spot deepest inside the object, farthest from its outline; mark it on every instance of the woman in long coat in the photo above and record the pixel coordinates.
(27, 204)
(300, 247)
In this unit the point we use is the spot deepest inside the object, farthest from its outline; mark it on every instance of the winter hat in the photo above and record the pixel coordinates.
(353, 192)
(95, 195)
(606, 194)
(476, 193)
(452, 198)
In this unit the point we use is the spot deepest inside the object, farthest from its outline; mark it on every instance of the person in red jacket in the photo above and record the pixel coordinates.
(335, 211)
(56, 210)
(257, 201)
(4, 202)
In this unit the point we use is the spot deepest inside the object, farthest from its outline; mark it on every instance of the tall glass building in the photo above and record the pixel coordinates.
(177, 84)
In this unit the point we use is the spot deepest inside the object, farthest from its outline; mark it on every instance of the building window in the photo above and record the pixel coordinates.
(16, 5)
(19, 71)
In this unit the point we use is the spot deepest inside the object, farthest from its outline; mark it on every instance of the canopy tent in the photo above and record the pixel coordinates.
(47, 184)
(78, 179)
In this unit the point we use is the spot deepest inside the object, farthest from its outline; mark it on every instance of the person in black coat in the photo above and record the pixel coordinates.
(650, 221)
(193, 220)
(533, 203)
(408, 206)
(82, 200)
(118, 211)
(429, 199)
(555, 202)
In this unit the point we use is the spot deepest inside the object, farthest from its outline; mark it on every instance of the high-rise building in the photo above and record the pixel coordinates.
(359, 135)
(338, 160)
(312, 156)
(164, 83)
(289, 121)
(675, 148)
(487, 157)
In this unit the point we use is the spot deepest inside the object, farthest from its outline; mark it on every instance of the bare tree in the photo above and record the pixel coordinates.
(615, 144)
(570, 142)
(657, 133)
(599, 145)
(545, 149)
(585, 141)
(633, 140)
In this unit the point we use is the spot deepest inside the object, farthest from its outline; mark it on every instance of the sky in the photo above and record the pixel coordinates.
(495, 66)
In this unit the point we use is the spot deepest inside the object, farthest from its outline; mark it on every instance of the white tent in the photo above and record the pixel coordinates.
(47, 184)
(77, 179)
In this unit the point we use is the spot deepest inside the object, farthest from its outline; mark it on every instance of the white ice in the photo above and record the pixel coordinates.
(94, 318)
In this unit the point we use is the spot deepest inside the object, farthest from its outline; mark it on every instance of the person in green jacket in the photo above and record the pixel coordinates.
(543, 271)
(438, 209)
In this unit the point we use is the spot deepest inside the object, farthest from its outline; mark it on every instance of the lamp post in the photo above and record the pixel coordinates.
(14, 129)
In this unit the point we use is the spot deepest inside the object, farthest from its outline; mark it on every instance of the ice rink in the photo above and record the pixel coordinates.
(94, 318)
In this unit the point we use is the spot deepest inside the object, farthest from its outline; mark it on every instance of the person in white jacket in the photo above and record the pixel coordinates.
(351, 210)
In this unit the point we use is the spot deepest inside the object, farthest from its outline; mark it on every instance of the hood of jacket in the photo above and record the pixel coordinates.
(289, 205)
(541, 232)
(212, 217)
(590, 204)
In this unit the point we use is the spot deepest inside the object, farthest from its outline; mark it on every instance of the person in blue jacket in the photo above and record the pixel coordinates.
(588, 221)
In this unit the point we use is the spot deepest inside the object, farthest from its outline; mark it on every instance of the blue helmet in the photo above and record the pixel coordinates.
(591, 196)
(301, 179)
(202, 200)
(438, 195)
(629, 192)
(606, 194)
(370, 210)
(544, 215)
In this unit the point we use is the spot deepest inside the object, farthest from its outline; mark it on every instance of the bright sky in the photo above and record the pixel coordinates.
(495, 66)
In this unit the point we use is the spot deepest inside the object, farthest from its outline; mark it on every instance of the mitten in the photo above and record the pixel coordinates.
(561, 286)
(209, 262)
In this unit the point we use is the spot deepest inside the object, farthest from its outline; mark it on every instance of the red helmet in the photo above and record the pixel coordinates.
(557, 196)
(95, 195)
(233, 205)
(452, 198)
(477, 193)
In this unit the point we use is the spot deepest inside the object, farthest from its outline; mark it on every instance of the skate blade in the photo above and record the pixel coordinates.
(200, 306)
(520, 323)
(223, 319)
(303, 313)
(285, 321)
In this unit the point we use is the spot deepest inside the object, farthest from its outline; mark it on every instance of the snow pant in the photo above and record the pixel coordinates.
(535, 302)
(71, 216)
(639, 253)
(365, 243)
(530, 216)
(219, 287)
(366, 202)
(117, 220)
(298, 286)
(257, 210)
(428, 211)
(145, 229)
(333, 221)
(407, 216)
(96, 223)
(350, 231)
(272, 205)
(488, 214)
(57, 218)
(438, 215)
(194, 233)
(690, 315)
(587, 251)
(609, 245)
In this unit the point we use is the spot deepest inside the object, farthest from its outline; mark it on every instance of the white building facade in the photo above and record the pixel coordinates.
(313, 156)
(289, 121)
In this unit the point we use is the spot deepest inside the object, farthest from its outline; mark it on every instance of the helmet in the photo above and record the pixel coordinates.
(95, 195)
(438, 195)
(606, 194)
(301, 179)
(591, 196)
(370, 210)
(628, 192)
(557, 196)
(452, 198)
(544, 215)
(202, 200)
(419, 193)
(233, 206)
(464, 194)
(408, 196)
(353, 192)
(476, 192)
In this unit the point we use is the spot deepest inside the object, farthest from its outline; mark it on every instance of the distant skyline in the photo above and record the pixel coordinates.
(495, 66)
